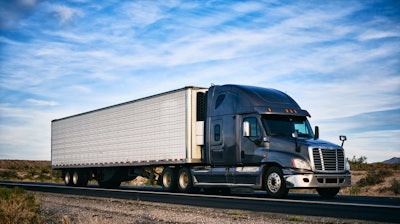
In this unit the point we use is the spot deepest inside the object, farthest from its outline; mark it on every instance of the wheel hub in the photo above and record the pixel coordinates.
(274, 182)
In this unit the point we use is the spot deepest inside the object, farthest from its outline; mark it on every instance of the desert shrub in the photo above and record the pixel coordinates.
(395, 187)
(354, 190)
(359, 163)
(18, 206)
(374, 177)
(8, 174)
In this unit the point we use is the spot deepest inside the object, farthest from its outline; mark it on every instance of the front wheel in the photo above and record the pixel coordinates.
(274, 182)
(328, 192)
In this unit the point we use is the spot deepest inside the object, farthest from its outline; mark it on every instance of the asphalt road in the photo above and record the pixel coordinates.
(380, 209)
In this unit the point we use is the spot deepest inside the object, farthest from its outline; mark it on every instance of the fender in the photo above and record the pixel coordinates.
(282, 158)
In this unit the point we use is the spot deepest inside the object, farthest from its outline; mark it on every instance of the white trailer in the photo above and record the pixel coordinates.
(161, 129)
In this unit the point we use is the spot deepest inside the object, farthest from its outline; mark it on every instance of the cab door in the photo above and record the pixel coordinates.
(251, 137)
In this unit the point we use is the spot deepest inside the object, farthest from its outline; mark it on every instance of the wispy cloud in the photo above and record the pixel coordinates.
(339, 60)
(41, 102)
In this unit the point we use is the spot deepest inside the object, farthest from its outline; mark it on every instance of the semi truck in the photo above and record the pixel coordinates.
(233, 138)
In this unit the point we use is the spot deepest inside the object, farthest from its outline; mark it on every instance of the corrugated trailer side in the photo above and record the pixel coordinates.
(156, 129)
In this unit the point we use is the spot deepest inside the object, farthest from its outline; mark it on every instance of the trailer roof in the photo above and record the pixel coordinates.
(128, 102)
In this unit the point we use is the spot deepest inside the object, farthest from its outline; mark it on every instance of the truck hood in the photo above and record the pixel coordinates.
(305, 143)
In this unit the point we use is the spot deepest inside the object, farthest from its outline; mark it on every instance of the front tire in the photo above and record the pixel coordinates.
(275, 184)
(328, 192)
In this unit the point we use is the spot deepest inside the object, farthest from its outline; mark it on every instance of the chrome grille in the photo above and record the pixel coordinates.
(328, 159)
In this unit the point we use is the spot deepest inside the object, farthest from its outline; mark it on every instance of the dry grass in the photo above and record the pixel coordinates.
(39, 171)
(18, 206)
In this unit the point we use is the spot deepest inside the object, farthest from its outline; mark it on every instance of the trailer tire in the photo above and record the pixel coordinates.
(328, 192)
(168, 180)
(185, 180)
(274, 182)
(80, 178)
(68, 178)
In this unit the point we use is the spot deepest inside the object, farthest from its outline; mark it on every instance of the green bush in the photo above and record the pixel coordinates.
(359, 163)
(354, 190)
(8, 174)
(395, 187)
(18, 206)
(374, 177)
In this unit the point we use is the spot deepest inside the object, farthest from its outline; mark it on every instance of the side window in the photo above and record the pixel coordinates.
(253, 129)
(217, 132)
(216, 135)
(219, 100)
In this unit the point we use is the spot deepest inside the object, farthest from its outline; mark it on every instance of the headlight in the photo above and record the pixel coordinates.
(300, 164)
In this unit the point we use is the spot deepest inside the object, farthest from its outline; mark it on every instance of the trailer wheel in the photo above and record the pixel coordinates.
(328, 192)
(68, 178)
(185, 180)
(275, 183)
(80, 178)
(168, 181)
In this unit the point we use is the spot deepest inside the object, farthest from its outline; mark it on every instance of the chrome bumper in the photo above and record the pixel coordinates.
(317, 180)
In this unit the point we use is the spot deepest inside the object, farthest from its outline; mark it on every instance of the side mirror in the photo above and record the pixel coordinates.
(316, 134)
(246, 129)
(342, 138)
(295, 136)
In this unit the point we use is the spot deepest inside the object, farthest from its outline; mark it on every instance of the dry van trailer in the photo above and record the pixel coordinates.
(163, 129)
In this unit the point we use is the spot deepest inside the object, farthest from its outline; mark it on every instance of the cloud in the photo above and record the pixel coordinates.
(24, 134)
(41, 102)
(335, 59)
(11, 12)
(377, 34)
(62, 13)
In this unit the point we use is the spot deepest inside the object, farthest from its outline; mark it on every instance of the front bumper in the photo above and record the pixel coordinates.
(317, 180)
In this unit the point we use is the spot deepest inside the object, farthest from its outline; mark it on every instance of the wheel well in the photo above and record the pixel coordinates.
(266, 166)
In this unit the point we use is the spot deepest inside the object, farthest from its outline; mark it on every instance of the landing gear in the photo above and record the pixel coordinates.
(109, 184)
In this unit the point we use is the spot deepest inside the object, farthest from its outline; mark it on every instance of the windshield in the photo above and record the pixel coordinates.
(284, 126)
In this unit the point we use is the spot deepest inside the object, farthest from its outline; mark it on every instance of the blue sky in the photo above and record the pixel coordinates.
(340, 60)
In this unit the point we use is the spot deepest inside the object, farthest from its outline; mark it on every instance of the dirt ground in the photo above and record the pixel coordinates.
(66, 209)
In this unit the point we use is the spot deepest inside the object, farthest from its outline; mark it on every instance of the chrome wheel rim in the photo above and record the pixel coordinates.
(183, 180)
(274, 182)
(67, 178)
(167, 179)
(75, 178)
